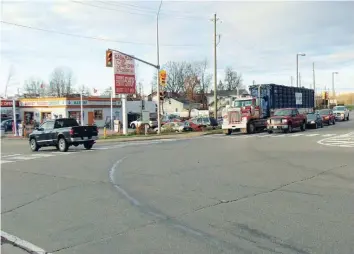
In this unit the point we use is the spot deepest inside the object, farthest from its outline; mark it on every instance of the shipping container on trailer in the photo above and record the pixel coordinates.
(274, 96)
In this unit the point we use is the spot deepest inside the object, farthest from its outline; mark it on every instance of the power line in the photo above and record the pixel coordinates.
(141, 13)
(137, 7)
(96, 38)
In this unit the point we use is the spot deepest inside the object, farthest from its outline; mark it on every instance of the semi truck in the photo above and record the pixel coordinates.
(249, 114)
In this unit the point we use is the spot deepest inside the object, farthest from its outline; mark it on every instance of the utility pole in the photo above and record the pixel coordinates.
(314, 83)
(299, 85)
(297, 68)
(158, 71)
(215, 19)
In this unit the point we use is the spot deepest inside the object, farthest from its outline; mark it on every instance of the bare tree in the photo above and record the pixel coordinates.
(107, 92)
(34, 87)
(232, 79)
(221, 86)
(61, 82)
(84, 89)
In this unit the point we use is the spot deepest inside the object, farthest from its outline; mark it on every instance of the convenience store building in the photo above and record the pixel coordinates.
(96, 110)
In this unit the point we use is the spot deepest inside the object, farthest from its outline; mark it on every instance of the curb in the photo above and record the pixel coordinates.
(27, 246)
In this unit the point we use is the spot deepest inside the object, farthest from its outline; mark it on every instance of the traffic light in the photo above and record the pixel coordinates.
(163, 77)
(109, 60)
(163, 95)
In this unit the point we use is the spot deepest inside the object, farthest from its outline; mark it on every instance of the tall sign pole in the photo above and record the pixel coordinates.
(124, 81)
(14, 116)
(314, 83)
(158, 70)
(81, 110)
(215, 71)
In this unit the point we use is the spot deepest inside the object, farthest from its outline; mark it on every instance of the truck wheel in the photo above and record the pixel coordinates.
(227, 131)
(270, 131)
(250, 128)
(303, 127)
(33, 145)
(88, 146)
(289, 130)
(63, 146)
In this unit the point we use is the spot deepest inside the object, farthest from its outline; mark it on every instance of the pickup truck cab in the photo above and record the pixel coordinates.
(341, 113)
(286, 120)
(63, 133)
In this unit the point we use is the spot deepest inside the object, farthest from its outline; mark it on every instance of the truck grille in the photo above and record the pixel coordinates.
(234, 117)
(276, 121)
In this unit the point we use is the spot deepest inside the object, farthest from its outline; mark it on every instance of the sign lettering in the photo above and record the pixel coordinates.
(124, 74)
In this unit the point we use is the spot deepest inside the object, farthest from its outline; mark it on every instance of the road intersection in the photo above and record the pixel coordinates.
(213, 194)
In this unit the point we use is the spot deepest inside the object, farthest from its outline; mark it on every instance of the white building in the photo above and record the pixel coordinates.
(96, 110)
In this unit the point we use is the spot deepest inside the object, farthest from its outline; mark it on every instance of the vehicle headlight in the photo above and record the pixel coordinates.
(342, 114)
(312, 121)
(284, 120)
(244, 119)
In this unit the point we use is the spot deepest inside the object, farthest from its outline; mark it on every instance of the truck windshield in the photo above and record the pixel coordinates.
(339, 108)
(243, 103)
(283, 112)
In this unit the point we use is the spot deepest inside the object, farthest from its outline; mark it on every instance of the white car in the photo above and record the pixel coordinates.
(137, 123)
(341, 113)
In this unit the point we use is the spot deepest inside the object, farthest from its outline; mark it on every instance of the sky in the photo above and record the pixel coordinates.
(259, 40)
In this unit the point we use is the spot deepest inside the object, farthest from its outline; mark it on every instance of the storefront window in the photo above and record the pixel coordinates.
(98, 114)
(74, 114)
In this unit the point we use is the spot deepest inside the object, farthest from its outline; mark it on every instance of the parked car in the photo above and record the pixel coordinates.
(341, 113)
(286, 120)
(327, 116)
(138, 122)
(63, 133)
(175, 126)
(205, 121)
(7, 124)
(314, 120)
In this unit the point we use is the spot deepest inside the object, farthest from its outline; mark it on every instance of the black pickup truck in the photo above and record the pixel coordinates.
(62, 133)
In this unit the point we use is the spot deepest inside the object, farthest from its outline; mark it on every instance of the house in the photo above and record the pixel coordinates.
(225, 97)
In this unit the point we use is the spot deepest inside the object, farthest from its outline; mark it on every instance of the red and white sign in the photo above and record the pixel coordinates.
(8, 103)
(124, 74)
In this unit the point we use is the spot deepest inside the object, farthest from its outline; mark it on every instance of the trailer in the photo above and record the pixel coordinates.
(250, 114)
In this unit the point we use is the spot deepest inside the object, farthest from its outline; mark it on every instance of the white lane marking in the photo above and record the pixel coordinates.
(312, 135)
(22, 158)
(3, 161)
(120, 189)
(27, 246)
(10, 155)
(328, 135)
(277, 136)
(296, 135)
(44, 155)
(345, 140)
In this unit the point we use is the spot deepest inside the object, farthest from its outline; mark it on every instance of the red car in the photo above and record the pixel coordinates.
(327, 116)
(195, 127)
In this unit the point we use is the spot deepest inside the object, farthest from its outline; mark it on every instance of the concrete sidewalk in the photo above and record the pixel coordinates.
(8, 248)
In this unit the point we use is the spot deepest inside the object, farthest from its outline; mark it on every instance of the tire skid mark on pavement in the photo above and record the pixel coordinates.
(344, 140)
(216, 243)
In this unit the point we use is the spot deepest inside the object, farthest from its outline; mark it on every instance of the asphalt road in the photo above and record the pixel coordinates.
(215, 194)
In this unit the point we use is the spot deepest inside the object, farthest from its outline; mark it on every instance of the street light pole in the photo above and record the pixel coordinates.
(297, 67)
(158, 70)
(215, 19)
(333, 92)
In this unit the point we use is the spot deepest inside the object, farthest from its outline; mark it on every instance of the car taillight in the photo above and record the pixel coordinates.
(71, 132)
